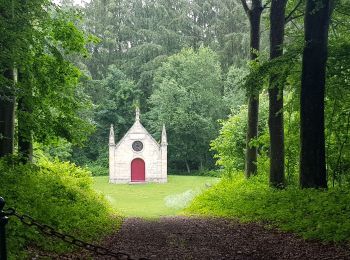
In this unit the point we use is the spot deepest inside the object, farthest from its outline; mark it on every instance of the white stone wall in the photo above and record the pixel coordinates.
(122, 154)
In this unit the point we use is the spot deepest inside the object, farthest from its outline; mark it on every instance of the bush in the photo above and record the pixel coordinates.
(209, 173)
(230, 145)
(314, 214)
(97, 170)
(58, 194)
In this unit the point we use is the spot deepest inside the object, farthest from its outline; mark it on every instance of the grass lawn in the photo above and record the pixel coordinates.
(153, 199)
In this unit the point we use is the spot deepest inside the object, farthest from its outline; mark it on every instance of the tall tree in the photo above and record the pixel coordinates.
(137, 36)
(277, 21)
(37, 38)
(7, 113)
(24, 132)
(254, 15)
(7, 94)
(188, 99)
(312, 136)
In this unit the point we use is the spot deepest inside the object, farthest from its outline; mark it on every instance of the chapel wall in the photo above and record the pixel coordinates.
(124, 154)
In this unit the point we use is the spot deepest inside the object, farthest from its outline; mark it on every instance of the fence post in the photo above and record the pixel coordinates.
(3, 222)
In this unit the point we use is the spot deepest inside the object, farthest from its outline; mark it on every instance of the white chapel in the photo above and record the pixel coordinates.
(137, 157)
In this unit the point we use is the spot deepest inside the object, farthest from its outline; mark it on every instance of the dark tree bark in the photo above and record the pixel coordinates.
(7, 116)
(277, 21)
(254, 15)
(25, 142)
(7, 94)
(312, 136)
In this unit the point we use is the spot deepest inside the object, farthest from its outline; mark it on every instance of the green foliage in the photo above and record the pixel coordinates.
(134, 34)
(231, 143)
(314, 214)
(187, 98)
(137, 37)
(58, 103)
(118, 105)
(58, 194)
(98, 168)
(292, 135)
(234, 94)
(338, 110)
(204, 172)
(38, 40)
(58, 148)
(114, 100)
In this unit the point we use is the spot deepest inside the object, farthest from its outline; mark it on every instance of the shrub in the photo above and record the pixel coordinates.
(316, 214)
(231, 143)
(97, 170)
(58, 194)
(209, 173)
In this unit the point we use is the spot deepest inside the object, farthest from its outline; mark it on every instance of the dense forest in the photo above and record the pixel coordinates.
(154, 53)
(259, 89)
(193, 64)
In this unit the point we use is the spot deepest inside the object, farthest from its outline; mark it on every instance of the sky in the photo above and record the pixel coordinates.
(81, 2)
(77, 2)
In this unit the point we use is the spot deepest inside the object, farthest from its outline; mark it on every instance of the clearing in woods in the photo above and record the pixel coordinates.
(153, 200)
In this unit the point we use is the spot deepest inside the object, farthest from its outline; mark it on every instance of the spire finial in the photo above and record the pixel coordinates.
(137, 116)
(164, 138)
(111, 135)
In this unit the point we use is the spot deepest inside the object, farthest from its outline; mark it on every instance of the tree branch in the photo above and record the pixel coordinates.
(245, 6)
(266, 5)
(288, 17)
(293, 18)
(339, 12)
(295, 25)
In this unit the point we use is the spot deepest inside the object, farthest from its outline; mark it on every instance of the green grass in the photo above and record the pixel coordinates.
(152, 199)
(314, 214)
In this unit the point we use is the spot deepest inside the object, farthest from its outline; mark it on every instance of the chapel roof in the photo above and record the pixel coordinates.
(138, 128)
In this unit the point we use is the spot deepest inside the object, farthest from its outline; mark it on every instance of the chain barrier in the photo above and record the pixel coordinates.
(50, 231)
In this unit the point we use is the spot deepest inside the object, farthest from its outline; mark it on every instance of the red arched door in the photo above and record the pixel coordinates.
(137, 170)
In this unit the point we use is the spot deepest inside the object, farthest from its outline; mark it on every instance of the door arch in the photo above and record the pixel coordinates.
(137, 170)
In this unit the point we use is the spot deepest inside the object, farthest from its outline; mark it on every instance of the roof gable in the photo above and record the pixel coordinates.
(137, 128)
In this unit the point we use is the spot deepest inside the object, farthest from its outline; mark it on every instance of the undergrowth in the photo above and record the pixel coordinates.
(313, 214)
(58, 194)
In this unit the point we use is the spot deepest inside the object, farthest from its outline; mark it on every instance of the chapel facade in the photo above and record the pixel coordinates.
(137, 157)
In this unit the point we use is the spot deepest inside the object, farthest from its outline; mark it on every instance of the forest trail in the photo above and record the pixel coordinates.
(203, 238)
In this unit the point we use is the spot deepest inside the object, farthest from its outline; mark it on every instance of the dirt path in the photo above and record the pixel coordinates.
(193, 238)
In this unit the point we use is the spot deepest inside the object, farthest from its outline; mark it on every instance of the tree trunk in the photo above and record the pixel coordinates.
(254, 15)
(277, 21)
(252, 132)
(25, 143)
(188, 167)
(7, 116)
(312, 136)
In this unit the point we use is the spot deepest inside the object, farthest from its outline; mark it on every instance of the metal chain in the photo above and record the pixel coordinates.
(50, 231)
